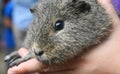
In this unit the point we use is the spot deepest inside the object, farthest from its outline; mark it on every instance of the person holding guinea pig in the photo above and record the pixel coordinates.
(104, 59)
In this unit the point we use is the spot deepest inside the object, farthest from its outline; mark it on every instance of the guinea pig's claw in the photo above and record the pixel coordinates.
(7, 58)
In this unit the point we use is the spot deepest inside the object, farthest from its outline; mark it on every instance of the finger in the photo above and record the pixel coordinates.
(104, 2)
(30, 66)
(22, 52)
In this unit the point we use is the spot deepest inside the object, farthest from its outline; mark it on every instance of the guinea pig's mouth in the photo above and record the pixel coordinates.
(43, 58)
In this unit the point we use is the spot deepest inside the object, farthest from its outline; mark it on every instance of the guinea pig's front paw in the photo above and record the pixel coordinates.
(11, 57)
(17, 61)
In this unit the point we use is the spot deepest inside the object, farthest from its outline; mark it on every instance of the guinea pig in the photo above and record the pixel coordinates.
(62, 30)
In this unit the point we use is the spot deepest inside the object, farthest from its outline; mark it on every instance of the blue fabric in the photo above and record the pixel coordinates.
(9, 38)
(22, 17)
(8, 34)
(116, 4)
(8, 10)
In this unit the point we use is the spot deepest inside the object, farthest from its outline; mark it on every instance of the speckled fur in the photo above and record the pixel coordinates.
(82, 29)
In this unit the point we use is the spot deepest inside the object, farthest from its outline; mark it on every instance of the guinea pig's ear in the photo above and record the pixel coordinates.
(74, 1)
(77, 7)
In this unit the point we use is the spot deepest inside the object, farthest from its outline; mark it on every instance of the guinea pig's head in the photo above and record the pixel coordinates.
(61, 29)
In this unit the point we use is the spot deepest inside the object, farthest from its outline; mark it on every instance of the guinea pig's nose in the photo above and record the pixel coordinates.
(39, 53)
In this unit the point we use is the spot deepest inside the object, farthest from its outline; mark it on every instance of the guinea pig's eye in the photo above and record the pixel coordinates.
(59, 25)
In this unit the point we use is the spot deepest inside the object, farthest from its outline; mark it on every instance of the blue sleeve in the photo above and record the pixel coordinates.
(8, 10)
(116, 4)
